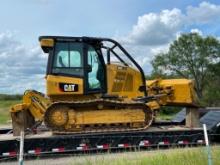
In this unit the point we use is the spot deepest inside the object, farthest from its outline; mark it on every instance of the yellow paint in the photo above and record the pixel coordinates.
(59, 118)
(153, 105)
(176, 91)
(123, 81)
(53, 88)
(107, 116)
(47, 42)
(18, 107)
(35, 103)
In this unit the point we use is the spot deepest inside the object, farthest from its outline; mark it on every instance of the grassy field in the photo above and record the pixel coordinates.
(195, 156)
(163, 116)
(4, 110)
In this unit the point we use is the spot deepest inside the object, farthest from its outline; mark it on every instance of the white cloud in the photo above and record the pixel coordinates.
(153, 32)
(196, 31)
(24, 67)
(204, 13)
(155, 28)
(21, 67)
(161, 28)
(145, 54)
(151, 35)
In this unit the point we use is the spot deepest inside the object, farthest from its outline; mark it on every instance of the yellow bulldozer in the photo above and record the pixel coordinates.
(95, 85)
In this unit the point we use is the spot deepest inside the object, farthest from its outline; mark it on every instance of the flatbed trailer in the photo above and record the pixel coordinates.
(159, 135)
(45, 143)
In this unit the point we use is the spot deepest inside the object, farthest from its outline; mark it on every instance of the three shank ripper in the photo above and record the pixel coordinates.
(89, 92)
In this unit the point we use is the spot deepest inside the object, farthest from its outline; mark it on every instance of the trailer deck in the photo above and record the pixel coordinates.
(160, 134)
(47, 143)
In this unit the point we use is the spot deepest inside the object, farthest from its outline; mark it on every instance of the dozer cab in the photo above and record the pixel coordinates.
(95, 85)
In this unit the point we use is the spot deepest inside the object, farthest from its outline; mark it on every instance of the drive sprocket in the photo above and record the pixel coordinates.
(57, 116)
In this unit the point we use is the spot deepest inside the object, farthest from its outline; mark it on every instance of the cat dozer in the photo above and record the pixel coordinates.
(95, 85)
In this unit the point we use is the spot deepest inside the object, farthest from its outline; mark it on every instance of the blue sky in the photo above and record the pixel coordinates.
(145, 28)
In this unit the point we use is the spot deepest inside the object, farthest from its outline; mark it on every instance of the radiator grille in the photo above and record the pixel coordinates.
(118, 82)
(128, 83)
(123, 82)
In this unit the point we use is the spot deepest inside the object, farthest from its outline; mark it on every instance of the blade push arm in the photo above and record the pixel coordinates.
(29, 112)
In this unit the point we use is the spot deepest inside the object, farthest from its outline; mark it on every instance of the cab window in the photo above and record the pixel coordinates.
(96, 76)
(68, 59)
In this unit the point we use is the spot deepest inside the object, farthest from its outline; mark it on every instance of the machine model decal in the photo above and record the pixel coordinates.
(66, 87)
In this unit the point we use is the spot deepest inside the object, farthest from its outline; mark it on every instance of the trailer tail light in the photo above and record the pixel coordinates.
(165, 142)
(185, 142)
(82, 147)
(104, 146)
(36, 151)
(126, 145)
(11, 153)
(60, 149)
(144, 143)
(200, 141)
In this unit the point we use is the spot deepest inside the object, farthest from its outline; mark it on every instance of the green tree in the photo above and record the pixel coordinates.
(189, 56)
(212, 90)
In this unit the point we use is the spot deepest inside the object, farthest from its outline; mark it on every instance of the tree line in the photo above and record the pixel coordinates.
(4, 97)
(196, 57)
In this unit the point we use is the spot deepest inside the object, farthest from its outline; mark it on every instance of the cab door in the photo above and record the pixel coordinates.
(95, 72)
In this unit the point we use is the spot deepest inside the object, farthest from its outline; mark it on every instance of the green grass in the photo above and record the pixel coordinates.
(162, 116)
(4, 110)
(167, 113)
(10, 97)
(187, 156)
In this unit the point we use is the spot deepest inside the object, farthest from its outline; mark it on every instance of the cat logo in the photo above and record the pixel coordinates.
(64, 87)
(68, 88)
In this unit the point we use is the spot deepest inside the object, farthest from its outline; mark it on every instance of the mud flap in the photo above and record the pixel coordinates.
(21, 120)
